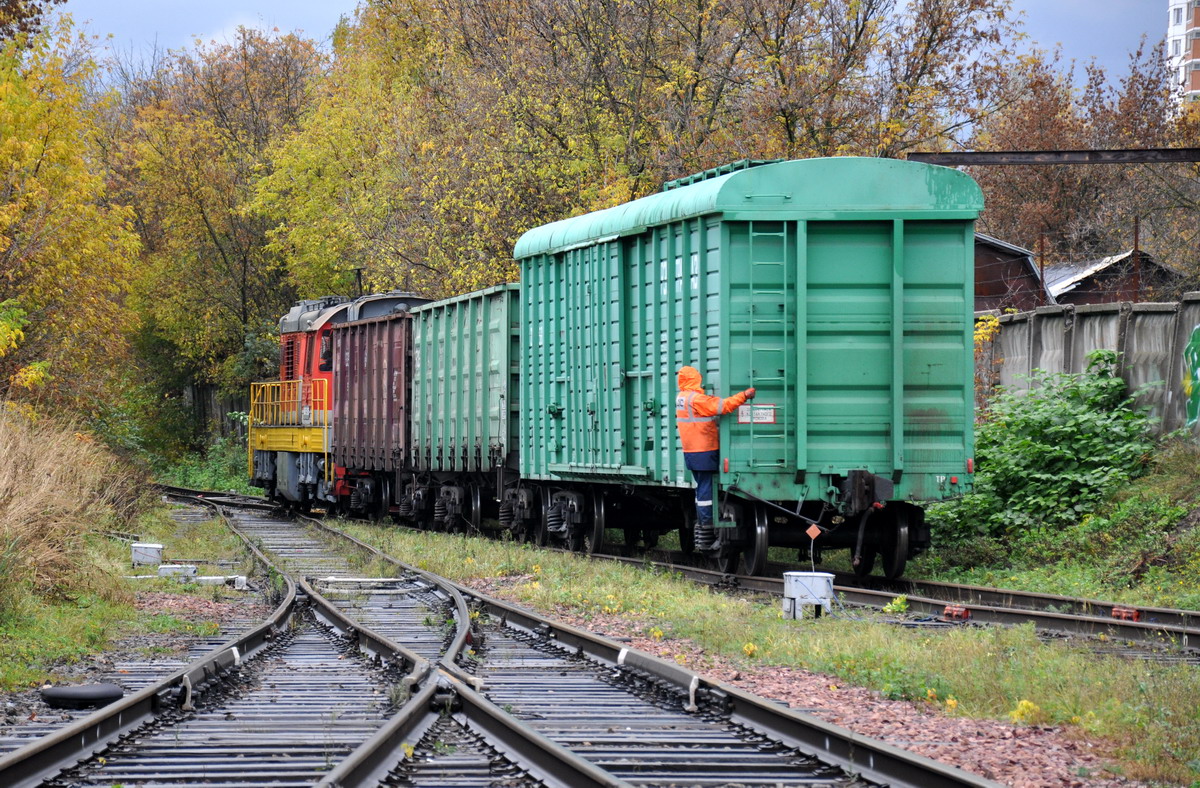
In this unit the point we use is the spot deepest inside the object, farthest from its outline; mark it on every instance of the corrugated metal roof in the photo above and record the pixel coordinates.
(1062, 277)
(814, 187)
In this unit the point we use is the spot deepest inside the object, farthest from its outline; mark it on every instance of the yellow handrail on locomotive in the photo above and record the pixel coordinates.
(290, 415)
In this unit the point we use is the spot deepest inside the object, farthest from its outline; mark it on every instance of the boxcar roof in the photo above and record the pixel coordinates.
(825, 188)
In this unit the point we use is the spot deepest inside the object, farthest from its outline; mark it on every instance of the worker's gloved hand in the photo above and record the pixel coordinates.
(750, 393)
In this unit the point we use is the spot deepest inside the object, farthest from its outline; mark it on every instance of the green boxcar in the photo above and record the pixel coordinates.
(465, 402)
(841, 288)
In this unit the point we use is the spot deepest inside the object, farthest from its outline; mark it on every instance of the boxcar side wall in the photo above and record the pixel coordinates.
(466, 358)
(371, 401)
(854, 329)
(606, 327)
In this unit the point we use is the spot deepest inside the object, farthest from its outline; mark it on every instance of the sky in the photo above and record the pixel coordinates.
(1105, 29)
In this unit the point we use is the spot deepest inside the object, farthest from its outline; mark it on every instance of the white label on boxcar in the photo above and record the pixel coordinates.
(756, 414)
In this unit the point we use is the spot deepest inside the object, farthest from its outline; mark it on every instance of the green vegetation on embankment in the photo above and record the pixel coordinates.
(62, 594)
(1072, 498)
(220, 467)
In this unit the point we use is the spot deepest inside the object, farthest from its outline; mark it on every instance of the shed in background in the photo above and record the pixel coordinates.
(1118, 277)
(1007, 277)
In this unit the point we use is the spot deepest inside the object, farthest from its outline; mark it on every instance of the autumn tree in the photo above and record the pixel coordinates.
(408, 169)
(449, 127)
(193, 140)
(23, 17)
(66, 252)
(1081, 212)
(872, 77)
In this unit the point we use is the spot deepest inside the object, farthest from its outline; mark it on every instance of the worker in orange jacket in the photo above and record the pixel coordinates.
(696, 414)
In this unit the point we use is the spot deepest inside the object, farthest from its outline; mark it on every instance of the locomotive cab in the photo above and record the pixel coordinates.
(290, 418)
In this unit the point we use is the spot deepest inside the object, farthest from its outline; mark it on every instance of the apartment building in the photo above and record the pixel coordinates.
(1183, 45)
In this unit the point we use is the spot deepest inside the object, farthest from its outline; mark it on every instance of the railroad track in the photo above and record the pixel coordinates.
(133, 674)
(1142, 632)
(1160, 634)
(406, 679)
(642, 721)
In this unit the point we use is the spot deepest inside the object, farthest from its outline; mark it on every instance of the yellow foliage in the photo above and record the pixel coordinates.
(1028, 713)
(31, 376)
(65, 247)
(200, 130)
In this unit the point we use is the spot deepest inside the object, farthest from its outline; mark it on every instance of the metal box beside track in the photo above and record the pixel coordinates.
(840, 288)
(466, 359)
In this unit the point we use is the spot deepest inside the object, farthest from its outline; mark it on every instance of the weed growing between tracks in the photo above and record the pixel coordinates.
(1145, 713)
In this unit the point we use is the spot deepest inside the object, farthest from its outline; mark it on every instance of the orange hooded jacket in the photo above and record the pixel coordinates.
(696, 413)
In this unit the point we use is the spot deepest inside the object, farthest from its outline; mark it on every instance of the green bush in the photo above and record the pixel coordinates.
(1048, 456)
(222, 467)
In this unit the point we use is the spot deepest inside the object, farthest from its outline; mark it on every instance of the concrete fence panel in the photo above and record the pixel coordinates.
(1159, 346)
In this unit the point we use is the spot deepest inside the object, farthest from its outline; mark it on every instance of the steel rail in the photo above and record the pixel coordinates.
(458, 644)
(550, 763)
(1022, 600)
(379, 754)
(39, 760)
(218, 498)
(369, 642)
(858, 754)
(872, 759)
(43, 758)
(984, 605)
(1154, 626)
(541, 757)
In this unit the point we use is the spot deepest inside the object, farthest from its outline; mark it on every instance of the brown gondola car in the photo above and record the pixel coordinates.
(372, 369)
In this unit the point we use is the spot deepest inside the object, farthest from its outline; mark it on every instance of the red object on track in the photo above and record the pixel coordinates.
(956, 613)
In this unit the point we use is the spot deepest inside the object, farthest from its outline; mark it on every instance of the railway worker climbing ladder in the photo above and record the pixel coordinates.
(697, 413)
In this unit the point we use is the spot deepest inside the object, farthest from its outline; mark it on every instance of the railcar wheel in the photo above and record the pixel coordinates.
(380, 507)
(895, 543)
(754, 557)
(474, 515)
(593, 535)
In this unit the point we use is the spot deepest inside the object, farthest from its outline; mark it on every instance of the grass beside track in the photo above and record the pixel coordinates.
(1142, 547)
(41, 633)
(1147, 715)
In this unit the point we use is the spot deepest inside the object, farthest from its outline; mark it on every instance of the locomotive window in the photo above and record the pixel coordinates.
(326, 352)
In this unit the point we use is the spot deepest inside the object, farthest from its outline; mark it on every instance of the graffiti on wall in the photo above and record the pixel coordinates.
(1191, 376)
